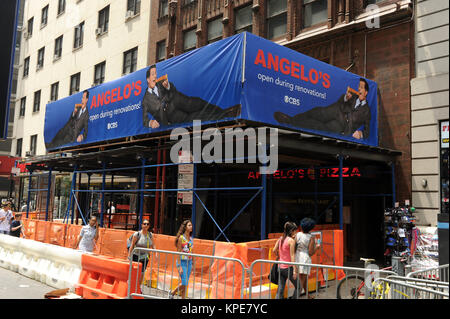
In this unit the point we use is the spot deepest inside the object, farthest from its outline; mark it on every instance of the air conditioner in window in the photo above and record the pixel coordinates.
(39, 66)
(56, 57)
(28, 153)
(26, 35)
(98, 31)
(129, 14)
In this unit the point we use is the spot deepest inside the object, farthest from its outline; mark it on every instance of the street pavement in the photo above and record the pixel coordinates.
(15, 286)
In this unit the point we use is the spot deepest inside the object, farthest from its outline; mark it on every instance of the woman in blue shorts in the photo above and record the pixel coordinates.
(184, 244)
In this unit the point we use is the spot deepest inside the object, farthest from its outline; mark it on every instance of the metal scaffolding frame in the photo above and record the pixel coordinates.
(341, 151)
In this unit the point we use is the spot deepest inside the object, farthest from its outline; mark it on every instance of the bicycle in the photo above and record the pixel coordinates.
(353, 286)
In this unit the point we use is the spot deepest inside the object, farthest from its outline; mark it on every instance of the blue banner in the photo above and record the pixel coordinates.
(243, 76)
(288, 89)
(203, 84)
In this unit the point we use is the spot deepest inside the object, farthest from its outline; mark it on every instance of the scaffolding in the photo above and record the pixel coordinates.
(137, 160)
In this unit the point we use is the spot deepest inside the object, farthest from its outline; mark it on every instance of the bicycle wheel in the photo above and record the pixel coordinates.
(351, 287)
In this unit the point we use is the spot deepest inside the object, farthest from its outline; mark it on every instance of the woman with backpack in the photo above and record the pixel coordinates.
(141, 239)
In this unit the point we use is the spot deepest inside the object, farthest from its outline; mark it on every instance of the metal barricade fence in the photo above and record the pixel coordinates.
(351, 284)
(395, 287)
(438, 286)
(211, 276)
(439, 273)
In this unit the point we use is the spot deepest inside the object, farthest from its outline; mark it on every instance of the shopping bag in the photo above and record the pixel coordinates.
(273, 275)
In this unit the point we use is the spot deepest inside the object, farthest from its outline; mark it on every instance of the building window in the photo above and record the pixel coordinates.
(23, 103)
(61, 6)
(215, 30)
(189, 40)
(78, 38)
(276, 18)
(33, 145)
(134, 6)
(44, 16)
(103, 20)
(130, 61)
(314, 12)
(37, 101)
(26, 66)
(243, 20)
(99, 73)
(19, 147)
(30, 27)
(54, 91)
(58, 47)
(74, 83)
(40, 59)
(161, 51)
(163, 8)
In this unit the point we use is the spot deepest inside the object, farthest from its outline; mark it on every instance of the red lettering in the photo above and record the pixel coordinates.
(113, 95)
(119, 97)
(100, 100)
(251, 175)
(137, 88)
(302, 74)
(126, 94)
(286, 70)
(93, 103)
(272, 62)
(260, 59)
(295, 69)
(107, 97)
(326, 81)
(313, 76)
(356, 172)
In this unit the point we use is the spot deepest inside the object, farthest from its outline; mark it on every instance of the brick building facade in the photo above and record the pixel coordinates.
(343, 33)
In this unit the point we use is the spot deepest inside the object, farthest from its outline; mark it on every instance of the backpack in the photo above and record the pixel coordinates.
(130, 239)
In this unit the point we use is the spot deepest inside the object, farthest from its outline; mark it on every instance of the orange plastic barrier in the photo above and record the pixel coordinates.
(57, 234)
(106, 278)
(30, 228)
(42, 230)
(114, 243)
(98, 243)
(227, 279)
(72, 233)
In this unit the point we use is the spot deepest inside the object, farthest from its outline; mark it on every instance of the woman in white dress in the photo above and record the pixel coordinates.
(306, 247)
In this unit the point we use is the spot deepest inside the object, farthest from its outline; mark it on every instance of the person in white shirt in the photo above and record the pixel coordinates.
(5, 218)
(88, 236)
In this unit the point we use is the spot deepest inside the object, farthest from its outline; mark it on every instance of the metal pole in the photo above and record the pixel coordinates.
(103, 193)
(393, 184)
(73, 185)
(263, 197)
(141, 199)
(194, 202)
(29, 191)
(49, 184)
(341, 194)
(88, 197)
